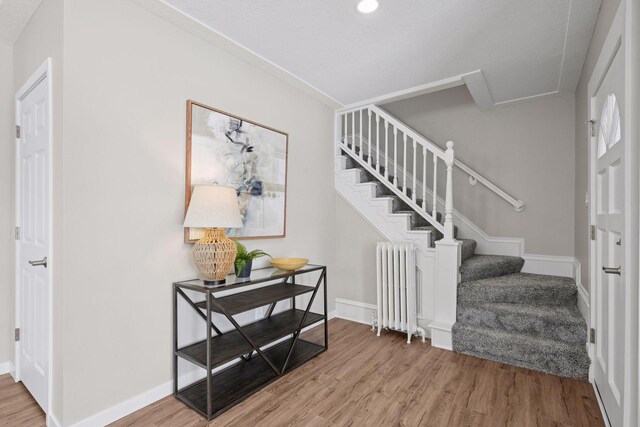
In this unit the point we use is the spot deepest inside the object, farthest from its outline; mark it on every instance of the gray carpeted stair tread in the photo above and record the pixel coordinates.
(468, 248)
(550, 356)
(483, 266)
(563, 322)
(520, 288)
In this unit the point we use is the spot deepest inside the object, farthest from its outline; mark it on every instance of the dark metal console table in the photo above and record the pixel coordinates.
(265, 349)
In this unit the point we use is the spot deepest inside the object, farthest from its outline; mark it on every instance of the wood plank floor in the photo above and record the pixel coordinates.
(17, 407)
(363, 380)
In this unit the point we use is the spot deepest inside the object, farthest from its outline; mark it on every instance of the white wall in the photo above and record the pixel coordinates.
(128, 74)
(6, 203)
(526, 149)
(581, 243)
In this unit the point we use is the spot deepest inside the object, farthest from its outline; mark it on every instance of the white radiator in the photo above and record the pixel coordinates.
(396, 280)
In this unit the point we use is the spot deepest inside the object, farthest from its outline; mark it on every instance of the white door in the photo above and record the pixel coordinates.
(33, 245)
(608, 105)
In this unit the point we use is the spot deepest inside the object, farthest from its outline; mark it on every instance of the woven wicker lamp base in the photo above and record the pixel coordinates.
(214, 255)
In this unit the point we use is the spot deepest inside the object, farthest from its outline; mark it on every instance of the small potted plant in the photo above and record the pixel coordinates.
(244, 259)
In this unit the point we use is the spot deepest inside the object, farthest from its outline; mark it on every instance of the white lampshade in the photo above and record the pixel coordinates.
(213, 206)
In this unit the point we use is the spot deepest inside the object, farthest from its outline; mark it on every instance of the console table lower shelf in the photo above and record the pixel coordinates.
(238, 382)
(265, 349)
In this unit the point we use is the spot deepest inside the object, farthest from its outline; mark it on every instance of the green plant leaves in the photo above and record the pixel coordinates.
(243, 256)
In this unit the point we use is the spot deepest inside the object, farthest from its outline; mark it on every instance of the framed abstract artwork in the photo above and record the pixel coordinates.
(229, 150)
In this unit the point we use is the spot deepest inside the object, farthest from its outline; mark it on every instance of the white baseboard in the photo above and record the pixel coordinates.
(127, 407)
(52, 421)
(441, 336)
(6, 368)
(584, 300)
(601, 405)
(149, 397)
(355, 311)
(549, 264)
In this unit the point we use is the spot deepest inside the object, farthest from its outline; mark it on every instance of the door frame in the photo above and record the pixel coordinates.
(44, 72)
(619, 38)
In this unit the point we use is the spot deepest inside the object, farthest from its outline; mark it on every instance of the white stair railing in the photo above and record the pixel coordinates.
(383, 146)
(405, 162)
(366, 141)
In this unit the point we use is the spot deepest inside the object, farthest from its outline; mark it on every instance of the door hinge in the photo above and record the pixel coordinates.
(593, 232)
(592, 336)
(18, 131)
(592, 126)
(17, 233)
(17, 337)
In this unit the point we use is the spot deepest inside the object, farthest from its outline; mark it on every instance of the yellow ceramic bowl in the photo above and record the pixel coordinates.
(289, 264)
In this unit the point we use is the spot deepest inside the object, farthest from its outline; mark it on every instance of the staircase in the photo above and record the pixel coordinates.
(526, 320)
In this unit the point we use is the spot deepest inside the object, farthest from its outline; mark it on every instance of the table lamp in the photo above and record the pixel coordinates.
(214, 208)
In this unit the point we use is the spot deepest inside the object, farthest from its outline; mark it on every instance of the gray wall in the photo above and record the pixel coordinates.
(6, 205)
(526, 149)
(356, 254)
(128, 74)
(581, 242)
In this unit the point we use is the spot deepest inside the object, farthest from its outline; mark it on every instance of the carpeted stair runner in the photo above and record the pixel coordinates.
(521, 319)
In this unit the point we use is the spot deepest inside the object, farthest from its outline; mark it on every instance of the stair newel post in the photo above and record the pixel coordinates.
(448, 207)
(448, 257)
(369, 137)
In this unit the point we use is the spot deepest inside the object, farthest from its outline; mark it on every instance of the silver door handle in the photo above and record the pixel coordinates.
(612, 270)
(41, 263)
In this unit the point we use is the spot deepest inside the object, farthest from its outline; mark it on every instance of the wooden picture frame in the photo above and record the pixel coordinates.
(227, 149)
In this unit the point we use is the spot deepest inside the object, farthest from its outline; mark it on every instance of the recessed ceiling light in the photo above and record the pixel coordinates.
(367, 6)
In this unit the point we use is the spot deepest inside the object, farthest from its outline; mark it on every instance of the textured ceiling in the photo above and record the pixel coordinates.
(524, 48)
(14, 15)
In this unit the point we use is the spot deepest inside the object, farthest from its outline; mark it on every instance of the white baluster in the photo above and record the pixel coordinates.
(448, 207)
(344, 130)
(353, 131)
(404, 164)
(424, 178)
(434, 209)
(370, 139)
(378, 143)
(361, 139)
(395, 156)
(415, 171)
(386, 150)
